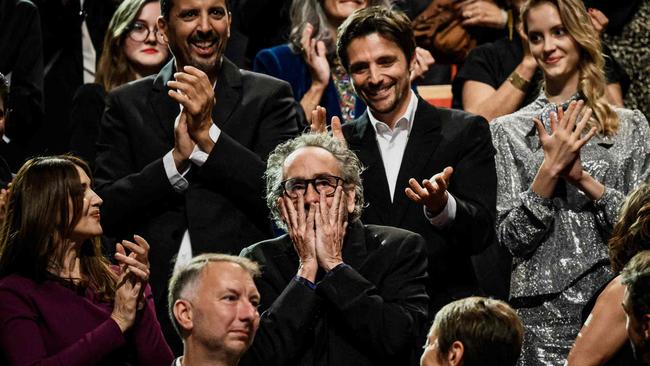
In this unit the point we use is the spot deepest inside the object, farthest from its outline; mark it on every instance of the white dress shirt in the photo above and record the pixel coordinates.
(87, 51)
(392, 143)
(179, 182)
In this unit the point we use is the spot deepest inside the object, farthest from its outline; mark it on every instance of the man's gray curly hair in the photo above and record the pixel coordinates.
(350, 167)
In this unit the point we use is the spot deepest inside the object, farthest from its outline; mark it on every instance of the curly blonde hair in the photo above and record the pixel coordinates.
(631, 233)
(591, 82)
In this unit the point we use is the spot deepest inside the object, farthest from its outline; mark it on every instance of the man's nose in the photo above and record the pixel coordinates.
(311, 195)
(375, 75)
(247, 311)
(204, 22)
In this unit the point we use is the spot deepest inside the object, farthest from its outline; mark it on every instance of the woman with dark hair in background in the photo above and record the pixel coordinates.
(309, 63)
(564, 165)
(603, 339)
(62, 301)
(133, 48)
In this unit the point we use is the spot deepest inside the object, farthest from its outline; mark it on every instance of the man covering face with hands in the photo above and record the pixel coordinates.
(333, 289)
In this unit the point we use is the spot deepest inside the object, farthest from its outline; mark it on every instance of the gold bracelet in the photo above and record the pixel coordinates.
(518, 81)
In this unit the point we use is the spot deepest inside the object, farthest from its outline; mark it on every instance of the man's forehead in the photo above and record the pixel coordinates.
(312, 155)
(185, 4)
(374, 45)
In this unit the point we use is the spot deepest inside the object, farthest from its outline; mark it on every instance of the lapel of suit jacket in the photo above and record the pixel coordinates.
(285, 259)
(355, 251)
(375, 186)
(227, 93)
(423, 140)
(165, 108)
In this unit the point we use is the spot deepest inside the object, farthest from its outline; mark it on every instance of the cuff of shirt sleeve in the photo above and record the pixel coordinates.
(305, 282)
(446, 216)
(176, 179)
(336, 269)
(198, 156)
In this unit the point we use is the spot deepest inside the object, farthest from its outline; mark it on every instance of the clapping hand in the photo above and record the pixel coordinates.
(562, 146)
(318, 124)
(193, 90)
(131, 282)
(315, 56)
(432, 193)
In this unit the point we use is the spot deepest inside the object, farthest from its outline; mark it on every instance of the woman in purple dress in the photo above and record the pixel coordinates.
(62, 301)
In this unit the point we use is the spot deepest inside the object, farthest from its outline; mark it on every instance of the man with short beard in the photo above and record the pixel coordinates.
(181, 154)
(429, 170)
(636, 303)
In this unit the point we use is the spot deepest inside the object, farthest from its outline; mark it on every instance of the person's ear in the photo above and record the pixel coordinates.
(455, 355)
(229, 24)
(162, 28)
(183, 313)
(645, 326)
(352, 194)
(414, 61)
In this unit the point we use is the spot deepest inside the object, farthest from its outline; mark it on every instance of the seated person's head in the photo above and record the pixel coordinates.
(474, 331)
(636, 277)
(302, 168)
(133, 47)
(51, 210)
(213, 305)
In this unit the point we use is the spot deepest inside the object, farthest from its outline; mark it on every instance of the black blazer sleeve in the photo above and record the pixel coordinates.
(473, 185)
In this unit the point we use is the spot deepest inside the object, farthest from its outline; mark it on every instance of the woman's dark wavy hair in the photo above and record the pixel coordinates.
(45, 203)
(631, 233)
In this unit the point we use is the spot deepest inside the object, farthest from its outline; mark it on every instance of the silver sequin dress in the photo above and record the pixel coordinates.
(559, 244)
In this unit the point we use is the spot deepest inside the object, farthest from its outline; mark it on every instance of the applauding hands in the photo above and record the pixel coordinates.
(134, 274)
(562, 152)
(193, 90)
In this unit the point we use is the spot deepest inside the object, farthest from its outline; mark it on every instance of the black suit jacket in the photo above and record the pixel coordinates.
(223, 208)
(369, 312)
(439, 138)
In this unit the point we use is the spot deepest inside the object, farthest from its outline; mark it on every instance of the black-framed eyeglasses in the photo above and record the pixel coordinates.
(139, 32)
(325, 183)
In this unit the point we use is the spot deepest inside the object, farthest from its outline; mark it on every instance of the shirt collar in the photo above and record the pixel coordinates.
(404, 122)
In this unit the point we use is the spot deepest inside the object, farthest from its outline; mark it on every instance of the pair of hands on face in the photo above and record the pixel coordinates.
(314, 53)
(317, 231)
(562, 146)
(134, 274)
(193, 90)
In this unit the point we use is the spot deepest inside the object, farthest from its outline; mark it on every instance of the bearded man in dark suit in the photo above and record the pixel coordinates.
(181, 154)
(429, 170)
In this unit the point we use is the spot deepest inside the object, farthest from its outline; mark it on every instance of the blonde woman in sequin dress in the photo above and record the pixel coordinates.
(562, 175)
